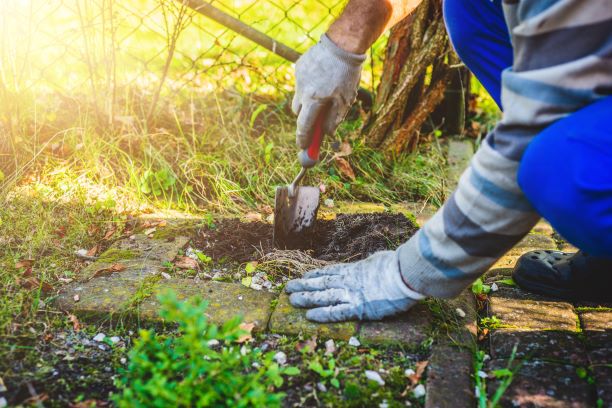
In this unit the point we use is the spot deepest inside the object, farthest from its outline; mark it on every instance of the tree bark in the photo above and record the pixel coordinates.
(419, 64)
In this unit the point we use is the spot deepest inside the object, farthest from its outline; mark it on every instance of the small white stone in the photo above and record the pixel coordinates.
(213, 343)
(494, 287)
(374, 376)
(123, 360)
(239, 297)
(329, 203)
(419, 391)
(482, 374)
(166, 275)
(280, 358)
(255, 286)
(81, 252)
(408, 372)
(115, 339)
(330, 347)
(354, 342)
(243, 351)
(3, 402)
(99, 337)
(383, 404)
(460, 312)
(321, 387)
(486, 357)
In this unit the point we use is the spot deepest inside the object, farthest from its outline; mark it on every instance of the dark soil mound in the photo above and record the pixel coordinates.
(353, 237)
(349, 237)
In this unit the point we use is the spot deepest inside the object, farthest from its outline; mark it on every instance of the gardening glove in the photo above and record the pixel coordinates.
(327, 77)
(366, 290)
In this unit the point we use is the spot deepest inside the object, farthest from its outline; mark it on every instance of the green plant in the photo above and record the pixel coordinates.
(327, 374)
(189, 370)
(158, 182)
(478, 287)
(504, 375)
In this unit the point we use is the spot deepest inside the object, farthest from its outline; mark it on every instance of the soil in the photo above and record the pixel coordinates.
(349, 237)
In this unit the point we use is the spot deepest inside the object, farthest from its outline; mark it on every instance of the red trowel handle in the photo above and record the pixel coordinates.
(309, 157)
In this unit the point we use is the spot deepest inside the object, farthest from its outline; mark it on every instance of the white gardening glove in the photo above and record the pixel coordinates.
(326, 76)
(366, 290)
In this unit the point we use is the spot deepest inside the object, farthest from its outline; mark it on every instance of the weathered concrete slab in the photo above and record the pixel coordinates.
(597, 326)
(543, 384)
(142, 256)
(531, 242)
(449, 381)
(601, 365)
(517, 309)
(106, 296)
(410, 328)
(543, 227)
(287, 319)
(549, 345)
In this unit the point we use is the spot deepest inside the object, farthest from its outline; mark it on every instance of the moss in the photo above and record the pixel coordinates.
(114, 255)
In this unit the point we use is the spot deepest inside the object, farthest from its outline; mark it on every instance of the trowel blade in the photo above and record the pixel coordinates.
(294, 217)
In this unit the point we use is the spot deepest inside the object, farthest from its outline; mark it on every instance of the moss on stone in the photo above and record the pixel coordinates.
(115, 255)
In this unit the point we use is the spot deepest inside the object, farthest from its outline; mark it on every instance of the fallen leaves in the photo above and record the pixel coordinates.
(185, 262)
(27, 280)
(344, 167)
(110, 232)
(76, 325)
(248, 336)
(111, 269)
(307, 346)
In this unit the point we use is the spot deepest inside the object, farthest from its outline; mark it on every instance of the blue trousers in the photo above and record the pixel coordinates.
(566, 171)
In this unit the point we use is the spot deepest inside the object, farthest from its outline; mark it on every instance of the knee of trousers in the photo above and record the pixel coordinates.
(552, 177)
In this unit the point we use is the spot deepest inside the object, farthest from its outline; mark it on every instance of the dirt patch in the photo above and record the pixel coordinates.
(349, 237)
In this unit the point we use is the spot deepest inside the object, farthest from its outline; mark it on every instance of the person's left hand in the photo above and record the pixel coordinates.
(366, 290)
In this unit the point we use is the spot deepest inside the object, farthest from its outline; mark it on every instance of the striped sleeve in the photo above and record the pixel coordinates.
(562, 62)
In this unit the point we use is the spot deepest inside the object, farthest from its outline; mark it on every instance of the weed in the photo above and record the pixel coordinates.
(190, 370)
(504, 375)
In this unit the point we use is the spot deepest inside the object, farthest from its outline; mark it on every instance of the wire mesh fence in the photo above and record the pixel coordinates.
(105, 50)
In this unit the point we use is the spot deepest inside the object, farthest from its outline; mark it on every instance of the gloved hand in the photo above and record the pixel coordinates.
(326, 77)
(366, 290)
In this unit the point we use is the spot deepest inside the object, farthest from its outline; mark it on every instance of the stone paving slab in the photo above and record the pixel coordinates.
(549, 345)
(449, 381)
(531, 242)
(544, 384)
(105, 296)
(597, 325)
(142, 256)
(460, 151)
(287, 319)
(601, 366)
(411, 328)
(517, 309)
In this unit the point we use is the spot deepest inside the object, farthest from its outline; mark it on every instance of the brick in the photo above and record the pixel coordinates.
(601, 365)
(597, 326)
(543, 384)
(449, 382)
(517, 309)
(410, 328)
(550, 345)
(105, 297)
(287, 319)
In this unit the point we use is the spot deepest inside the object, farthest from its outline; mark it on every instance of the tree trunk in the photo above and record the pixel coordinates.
(419, 65)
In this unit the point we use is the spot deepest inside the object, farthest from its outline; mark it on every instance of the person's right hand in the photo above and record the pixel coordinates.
(327, 77)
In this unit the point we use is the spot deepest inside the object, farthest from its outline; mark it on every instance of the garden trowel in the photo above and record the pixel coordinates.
(295, 206)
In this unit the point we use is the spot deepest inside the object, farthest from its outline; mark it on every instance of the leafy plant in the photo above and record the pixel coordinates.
(327, 374)
(201, 366)
(504, 375)
(157, 182)
(478, 287)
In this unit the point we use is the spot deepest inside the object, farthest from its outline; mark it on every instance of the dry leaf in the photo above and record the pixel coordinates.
(248, 328)
(149, 231)
(76, 325)
(162, 223)
(24, 263)
(60, 232)
(418, 372)
(111, 269)
(344, 167)
(93, 251)
(109, 233)
(184, 262)
(253, 216)
(344, 150)
(307, 346)
(92, 230)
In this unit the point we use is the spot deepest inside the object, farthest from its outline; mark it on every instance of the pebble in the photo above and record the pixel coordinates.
(3, 402)
(330, 347)
(494, 287)
(255, 286)
(321, 387)
(280, 358)
(408, 372)
(213, 343)
(419, 391)
(166, 275)
(374, 376)
(383, 404)
(99, 337)
(123, 360)
(329, 203)
(354, 342)
(460, 312)
(115, 339)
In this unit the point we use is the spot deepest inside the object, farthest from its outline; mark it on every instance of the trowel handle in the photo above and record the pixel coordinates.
(309, 157)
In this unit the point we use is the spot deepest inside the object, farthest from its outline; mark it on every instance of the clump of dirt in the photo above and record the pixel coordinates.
(349, 237)
(353, 237)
